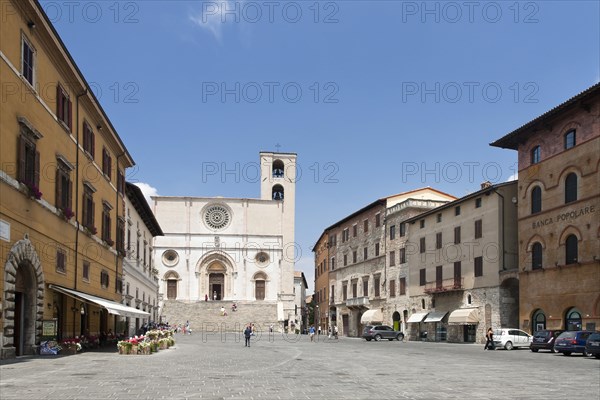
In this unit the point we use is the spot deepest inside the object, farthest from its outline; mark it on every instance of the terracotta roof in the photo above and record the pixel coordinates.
(519, 135)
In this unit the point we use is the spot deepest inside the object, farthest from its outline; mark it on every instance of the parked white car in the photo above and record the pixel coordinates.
(510, 338)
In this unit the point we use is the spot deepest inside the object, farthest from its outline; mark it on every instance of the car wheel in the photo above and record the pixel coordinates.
(400, 337)
(534, 350)
(597, 356)
(377, 338)
(566, 353)
(552, 350)
(508, 346)
(368, 339)
(586, 354)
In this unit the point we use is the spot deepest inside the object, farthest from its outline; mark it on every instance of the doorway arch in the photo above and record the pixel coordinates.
(215, 272)
(396, 319)
(23, 293)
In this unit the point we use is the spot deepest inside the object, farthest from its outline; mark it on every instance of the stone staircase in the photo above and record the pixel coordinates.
(206, 316)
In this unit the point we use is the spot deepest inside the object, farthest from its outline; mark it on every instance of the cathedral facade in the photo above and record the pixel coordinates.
(232, 249)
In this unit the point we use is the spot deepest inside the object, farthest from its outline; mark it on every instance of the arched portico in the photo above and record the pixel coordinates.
(22, 300)
(215, 271)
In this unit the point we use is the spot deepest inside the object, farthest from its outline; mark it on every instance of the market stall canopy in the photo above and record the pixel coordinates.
(417, 317)
(464, 316)
(371, 316)
(111, 306)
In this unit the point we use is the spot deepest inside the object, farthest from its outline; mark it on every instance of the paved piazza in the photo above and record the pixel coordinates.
(209, 367)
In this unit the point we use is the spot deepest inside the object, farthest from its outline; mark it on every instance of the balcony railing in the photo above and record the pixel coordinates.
(357, 301)
(445, 285)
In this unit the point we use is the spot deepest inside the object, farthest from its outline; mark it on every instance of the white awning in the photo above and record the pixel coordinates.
(371, 316)
(435, 316)
(111, 306)
(417, 317)
(464, 316)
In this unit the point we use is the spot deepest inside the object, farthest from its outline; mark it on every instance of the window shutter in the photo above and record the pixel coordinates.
(69, 119)
(21, 171)
(92, 143)
(58, 191)
(70, 195)
(59, 102)
(36, 172)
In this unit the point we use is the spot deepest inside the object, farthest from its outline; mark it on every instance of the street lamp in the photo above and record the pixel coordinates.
(318, 319)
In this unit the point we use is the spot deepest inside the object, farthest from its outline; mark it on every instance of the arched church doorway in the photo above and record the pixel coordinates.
(216, 280)
(25, 308)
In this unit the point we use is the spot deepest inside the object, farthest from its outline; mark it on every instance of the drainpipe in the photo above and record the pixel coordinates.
(85, 91)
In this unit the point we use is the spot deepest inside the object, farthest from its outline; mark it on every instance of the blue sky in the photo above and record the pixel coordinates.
(375, 97)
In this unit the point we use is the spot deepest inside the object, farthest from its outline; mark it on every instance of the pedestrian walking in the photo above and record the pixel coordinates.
(335, 331)
(247, 334)
(271, 328)
(489, 340)
(311, 333)
(206, 297)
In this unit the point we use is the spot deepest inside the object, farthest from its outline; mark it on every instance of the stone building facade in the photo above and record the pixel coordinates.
(140, 275)
(232, 249)
(358, 274)
(323, 264)
(462, 266)
(398, 304)
(559, 215)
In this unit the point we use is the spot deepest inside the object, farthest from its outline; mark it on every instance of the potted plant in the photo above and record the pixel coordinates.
(70, 346)
(34, 191)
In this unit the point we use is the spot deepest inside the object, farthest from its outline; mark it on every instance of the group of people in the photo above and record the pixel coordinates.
(331, 332)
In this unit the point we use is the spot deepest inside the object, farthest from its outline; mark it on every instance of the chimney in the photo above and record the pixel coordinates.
(486, 185)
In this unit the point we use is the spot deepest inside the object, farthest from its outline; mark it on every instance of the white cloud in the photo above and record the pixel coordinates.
(147, 190)
(513, 177)
(213, 16)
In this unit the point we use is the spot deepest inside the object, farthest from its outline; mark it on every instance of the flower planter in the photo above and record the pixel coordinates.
(69, 350)
(134, 349)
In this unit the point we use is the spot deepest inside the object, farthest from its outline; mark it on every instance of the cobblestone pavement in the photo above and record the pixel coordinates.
(220, 367)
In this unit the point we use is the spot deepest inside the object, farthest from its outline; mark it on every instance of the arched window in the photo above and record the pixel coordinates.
(278, 168)
(536, 256)
(571, 188)
(277, 192)
(573, 320)
(570, 140)
(571, 249)
(539, 321)
(536, 155)
(536, 200)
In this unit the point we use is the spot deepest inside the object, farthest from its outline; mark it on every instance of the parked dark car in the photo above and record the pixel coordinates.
(592, 346)
(570, 342)
(378, 332)
(544, 340)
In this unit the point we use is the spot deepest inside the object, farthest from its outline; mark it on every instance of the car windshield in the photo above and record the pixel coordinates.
(594, 336)
(567, 335)
(542, 334)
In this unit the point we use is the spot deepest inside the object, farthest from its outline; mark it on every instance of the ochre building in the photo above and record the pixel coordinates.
(62, 168)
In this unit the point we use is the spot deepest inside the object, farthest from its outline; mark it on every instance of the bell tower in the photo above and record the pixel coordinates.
(278, 174)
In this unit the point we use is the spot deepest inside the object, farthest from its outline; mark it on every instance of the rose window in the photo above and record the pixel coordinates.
(217, 217)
